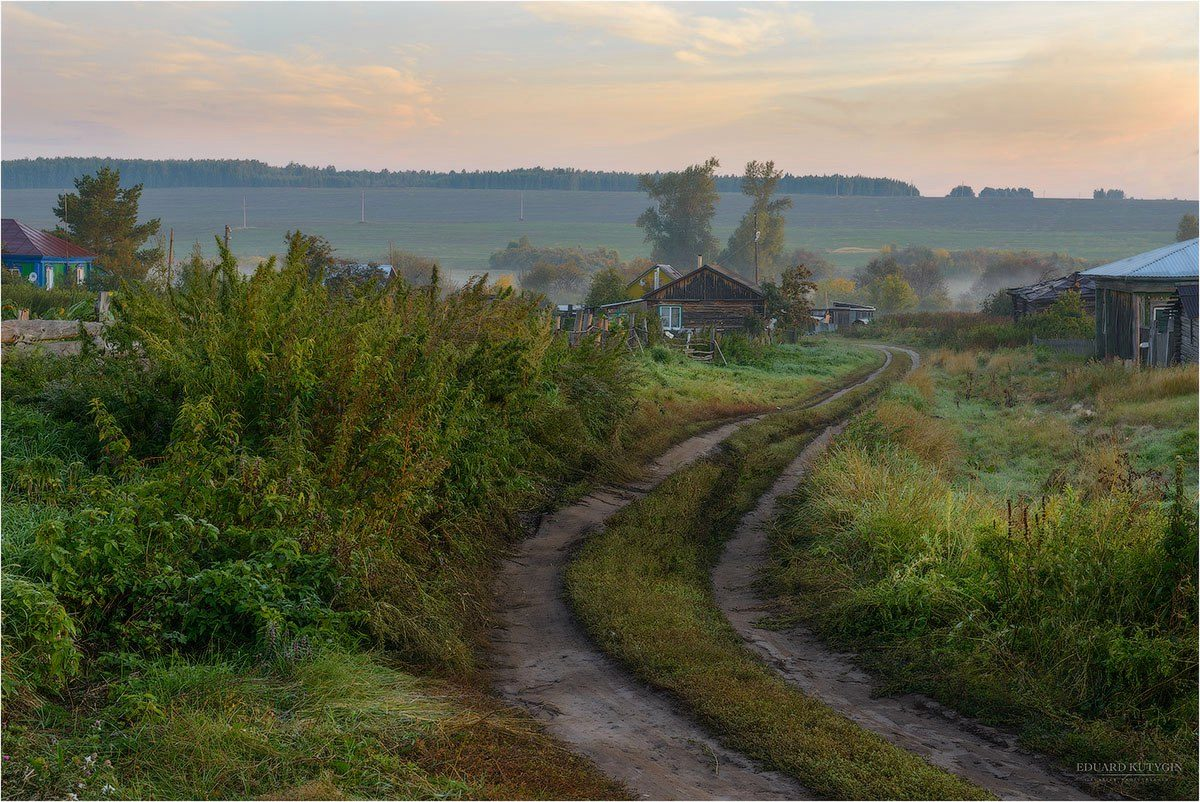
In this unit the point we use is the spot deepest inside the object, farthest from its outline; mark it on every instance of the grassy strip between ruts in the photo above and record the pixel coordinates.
(642, 588)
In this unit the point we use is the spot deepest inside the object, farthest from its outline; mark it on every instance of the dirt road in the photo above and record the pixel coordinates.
(543, 661)
(981, 754)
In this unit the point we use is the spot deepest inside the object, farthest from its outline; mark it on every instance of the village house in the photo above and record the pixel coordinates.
(41, 258)
(1040, 296)
(1146, 306)
(840, 314)
(651, 279)
(709, 297)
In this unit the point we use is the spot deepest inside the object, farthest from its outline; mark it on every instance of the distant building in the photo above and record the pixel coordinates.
(1146, 305)
(651, 279)
(43, 259)
(709, 297)
(841, 313)
(1039, 297)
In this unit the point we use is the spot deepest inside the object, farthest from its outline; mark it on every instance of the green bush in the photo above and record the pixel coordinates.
(260, 455)
(60, 303)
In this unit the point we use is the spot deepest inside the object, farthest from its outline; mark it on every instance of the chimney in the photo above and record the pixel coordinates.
(699, 261)
(656, 278)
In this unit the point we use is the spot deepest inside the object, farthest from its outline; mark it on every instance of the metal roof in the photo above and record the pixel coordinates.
(1175, 261)
(19, 239)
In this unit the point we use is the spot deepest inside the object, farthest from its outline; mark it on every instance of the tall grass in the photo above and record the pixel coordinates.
(1070, 614)
(642, 588)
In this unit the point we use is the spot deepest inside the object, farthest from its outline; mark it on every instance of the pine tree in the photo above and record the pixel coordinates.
(103, 217)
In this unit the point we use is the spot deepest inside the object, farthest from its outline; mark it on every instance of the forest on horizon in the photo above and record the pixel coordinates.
(60, 171)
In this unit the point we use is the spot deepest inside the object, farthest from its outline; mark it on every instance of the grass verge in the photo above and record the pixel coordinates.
(1005, 532)
(679, 397)
(642, 589)
(330, 726)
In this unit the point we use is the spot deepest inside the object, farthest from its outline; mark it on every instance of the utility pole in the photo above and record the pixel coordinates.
(226, 236)
(756, 246)
(362, 217)
(171, 259)
(243, 211)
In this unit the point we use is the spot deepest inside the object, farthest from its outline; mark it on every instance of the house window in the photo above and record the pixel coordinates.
(671, 317)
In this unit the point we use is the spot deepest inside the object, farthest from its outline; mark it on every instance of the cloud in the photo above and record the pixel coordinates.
(163, 79)
(693, 38)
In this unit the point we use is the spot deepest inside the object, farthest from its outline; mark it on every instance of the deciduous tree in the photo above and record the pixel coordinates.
(679, 225)
(607, 287)
(1189, 228)
(764, 219)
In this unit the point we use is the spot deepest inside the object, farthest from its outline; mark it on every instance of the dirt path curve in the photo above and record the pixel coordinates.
(976, 752)
(543, 661)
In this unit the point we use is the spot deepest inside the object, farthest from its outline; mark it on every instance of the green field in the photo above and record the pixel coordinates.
(462, 227)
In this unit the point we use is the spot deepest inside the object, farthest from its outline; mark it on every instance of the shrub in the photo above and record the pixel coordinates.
(261, 454)
(60, 303)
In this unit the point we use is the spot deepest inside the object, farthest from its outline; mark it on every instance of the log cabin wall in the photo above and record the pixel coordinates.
(721, 315)
(709, 298)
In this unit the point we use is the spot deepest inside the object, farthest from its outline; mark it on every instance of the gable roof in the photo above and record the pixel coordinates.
(1177, 260)
(19, 239)
(1050, 289)
(729, 274)
(668, 271)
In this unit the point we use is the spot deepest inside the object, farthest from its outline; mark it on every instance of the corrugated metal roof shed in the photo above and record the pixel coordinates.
(19, 239)
(1175, 261)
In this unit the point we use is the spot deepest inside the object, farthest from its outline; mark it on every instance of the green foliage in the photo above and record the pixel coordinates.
(607, 287)
(763, 223)
(415, 269)
(561, 282)
(103, 217)
(1065, 319)
(1189, 228)
(679, 226)
(642, 587)
(522, 256)
(892, 294)
(1067, 610)
(790, 302)
(39, 641)
(335, 725)
(263, 455)
(59, 303)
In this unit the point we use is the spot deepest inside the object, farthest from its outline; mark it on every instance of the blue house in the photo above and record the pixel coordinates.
(43, 259)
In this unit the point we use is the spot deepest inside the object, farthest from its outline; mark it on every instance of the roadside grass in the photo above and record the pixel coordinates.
(642, 589)
(331, 726)
(1075, 623)
(678, 397)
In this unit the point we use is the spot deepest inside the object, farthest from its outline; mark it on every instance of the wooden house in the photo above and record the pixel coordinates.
(1145, 306)
(708, 297)
(1040, 296)
(43, 259)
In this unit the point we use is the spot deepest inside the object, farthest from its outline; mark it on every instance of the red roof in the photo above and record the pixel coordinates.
(19, 239)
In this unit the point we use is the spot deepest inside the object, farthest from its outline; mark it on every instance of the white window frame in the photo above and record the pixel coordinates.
(673, 315)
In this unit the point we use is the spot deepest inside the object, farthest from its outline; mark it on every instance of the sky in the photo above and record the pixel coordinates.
(1059, 97)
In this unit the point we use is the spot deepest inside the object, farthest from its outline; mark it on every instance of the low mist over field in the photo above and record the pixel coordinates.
(463, 227)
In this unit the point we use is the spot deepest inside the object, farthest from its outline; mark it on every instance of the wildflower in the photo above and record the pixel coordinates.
(106, 789)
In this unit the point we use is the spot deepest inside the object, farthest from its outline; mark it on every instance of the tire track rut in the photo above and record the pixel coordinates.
(974, 751)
